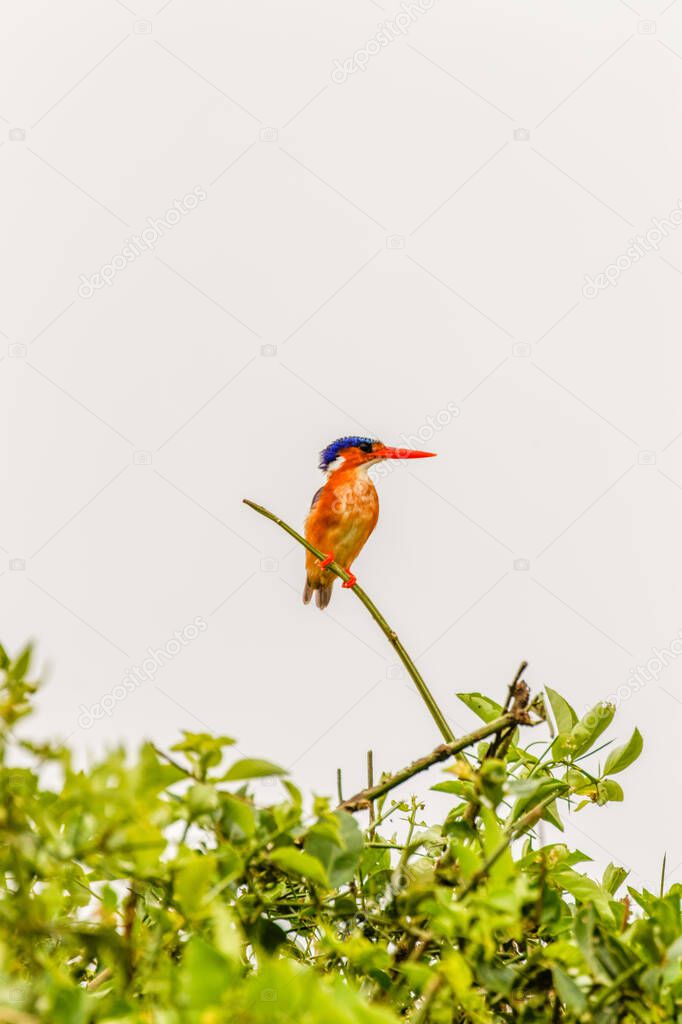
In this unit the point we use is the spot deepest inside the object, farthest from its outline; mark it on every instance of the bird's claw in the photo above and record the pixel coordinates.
(327, 561)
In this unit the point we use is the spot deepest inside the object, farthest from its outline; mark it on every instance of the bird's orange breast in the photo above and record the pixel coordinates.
(343, 515)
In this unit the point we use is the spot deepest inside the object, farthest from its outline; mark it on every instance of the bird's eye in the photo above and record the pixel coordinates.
(366, 446)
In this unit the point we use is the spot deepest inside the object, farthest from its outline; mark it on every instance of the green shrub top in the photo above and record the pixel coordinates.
(159, 890)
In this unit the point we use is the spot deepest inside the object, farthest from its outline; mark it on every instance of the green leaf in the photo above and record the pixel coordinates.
(570, 995)
(582, 888)
(608, 790)
(492, 839)
(154, 775)
(252, 768)
(202, 798)
(464, 789)
(467, 859)
(68, 1005)
(583, 735)
(482, 706)
(458, 973)
(589, 940)
(551, 814)
(338, 852)
(202, 742)
(564, 715)
(296, 862)
(21, 666)
(192, 880)
(546, 787)
(206, 974)
(613, 878)
(237, 815)
(623, 757)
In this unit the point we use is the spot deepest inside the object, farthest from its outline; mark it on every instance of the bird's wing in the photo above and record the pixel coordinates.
(316, 495)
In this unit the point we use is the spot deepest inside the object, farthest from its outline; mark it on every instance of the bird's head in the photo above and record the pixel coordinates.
(364, 451)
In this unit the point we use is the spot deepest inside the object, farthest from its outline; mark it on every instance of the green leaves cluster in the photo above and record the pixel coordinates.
(159, 890)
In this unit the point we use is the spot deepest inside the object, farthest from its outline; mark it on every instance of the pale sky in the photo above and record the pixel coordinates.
(239, 231)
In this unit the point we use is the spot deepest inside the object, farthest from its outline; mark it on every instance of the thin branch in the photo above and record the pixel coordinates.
(370, 783)
(430, 991)
(512, 832)
(338, 570)
(9, 1016)
(99, 979)
(364, 798)
(176, 764)
(512, 686)
(518, 696)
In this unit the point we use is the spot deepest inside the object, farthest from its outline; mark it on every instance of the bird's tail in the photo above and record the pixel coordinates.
(322, 591)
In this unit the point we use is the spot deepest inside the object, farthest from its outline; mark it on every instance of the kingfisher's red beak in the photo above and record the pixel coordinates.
(401, 453)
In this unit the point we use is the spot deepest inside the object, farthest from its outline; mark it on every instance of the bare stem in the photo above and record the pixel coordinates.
(99, 979)
(338, 570)
(370, 783)
(9, 1016)
(430, 991)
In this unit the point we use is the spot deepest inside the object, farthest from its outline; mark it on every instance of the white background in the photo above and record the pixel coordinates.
(368, 252)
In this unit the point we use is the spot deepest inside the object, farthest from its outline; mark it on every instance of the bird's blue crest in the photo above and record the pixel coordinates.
(331, 452)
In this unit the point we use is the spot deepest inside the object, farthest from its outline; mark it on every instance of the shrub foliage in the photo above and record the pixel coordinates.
(159, 890)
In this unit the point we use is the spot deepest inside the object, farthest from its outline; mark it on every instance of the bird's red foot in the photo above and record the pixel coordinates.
(350, 583)
(327, 560)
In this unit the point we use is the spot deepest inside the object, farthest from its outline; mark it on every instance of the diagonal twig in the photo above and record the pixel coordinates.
(392, 636)
(363, 799)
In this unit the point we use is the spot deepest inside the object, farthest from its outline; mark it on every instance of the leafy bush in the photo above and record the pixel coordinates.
(160, 891)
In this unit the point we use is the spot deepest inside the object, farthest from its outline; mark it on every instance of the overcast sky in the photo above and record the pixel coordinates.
(238, 231)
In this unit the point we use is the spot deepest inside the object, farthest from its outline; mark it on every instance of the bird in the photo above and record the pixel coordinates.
(345, 510)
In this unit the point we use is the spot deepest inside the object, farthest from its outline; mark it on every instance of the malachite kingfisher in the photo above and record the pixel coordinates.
(345, 510)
